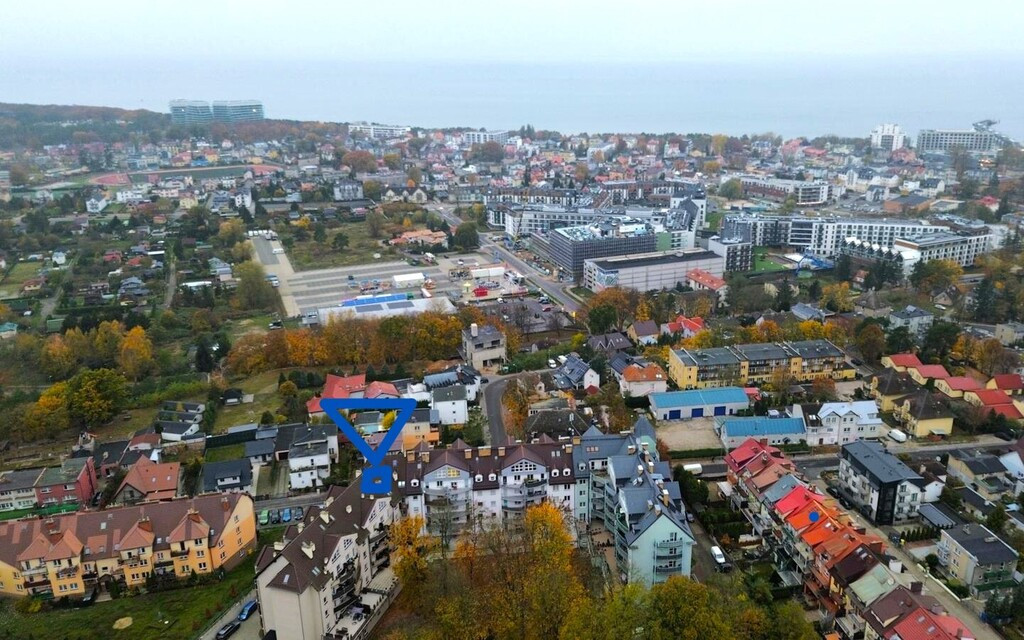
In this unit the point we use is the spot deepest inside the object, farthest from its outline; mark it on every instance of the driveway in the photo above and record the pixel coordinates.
(279, 265)
(250, 629)
(490, 403)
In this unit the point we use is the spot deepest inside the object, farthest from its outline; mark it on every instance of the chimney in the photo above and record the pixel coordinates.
(568, 448)
(308, 548)
(484, 452)
(225, 503)
(631, 449)
(424, 456)
(763, 442)
(326, 517)
(501, 452)
(576, 440)
(301, 525)
(474, 330)
(650, 467)
(279, 546)
(469, 454)
(664, 497)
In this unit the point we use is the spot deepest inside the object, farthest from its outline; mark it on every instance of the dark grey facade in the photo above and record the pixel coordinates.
(569, 250)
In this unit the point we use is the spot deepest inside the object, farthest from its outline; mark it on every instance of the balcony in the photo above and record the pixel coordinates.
(665, 569)
(179, 553)
(514, 508)
(529, 484)
(68, 572)
(36, 581)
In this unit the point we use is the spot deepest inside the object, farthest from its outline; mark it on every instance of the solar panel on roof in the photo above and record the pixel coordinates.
(358, 302)
(368, 308)
(404, 304)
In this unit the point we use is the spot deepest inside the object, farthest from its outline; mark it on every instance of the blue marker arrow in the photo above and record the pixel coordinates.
(376, 477)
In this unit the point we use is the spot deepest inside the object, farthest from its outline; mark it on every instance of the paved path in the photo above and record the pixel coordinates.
(250, 629)
(490, 403)
(279, 265)
(172, 284)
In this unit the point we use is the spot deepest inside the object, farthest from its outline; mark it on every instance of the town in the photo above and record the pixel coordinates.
(703, 385)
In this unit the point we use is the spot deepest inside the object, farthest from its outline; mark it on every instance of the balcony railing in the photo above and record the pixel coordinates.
(179, 553)
(666, 569)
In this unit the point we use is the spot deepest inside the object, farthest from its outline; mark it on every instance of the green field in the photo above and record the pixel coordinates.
(264, 389)
(309, 254)
(10, 286)
(220, 454)
(762, 264)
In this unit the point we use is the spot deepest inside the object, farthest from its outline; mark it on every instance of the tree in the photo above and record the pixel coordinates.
(96, 396)
(814, 291)
(684, 609)
(871, 342)
(935, 275)
(392, 161)
(516, 401)
(992, 358)
(783, 296)
(340, 241)
(997, 518)
(204, 359)
(136, 355)
(899, 340)
(601, 319)
(731, 189)
(466, 236)
(837, 297)
(360, 161)
(412, 552)
(788, 622)
(231, 232)
(843, 268)
(253, 290)
(940, 339)
(319, 233)
(57, 359)
(414, 175)
(487, 152)
(371, 190)
(984, 307)
(49, 416)
(824, 389)
(375, 221)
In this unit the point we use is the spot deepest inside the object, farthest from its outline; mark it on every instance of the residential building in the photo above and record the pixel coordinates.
(1009, 333)
(749, 364)
(96, 204)
(881, 486)
(642, 378)
(644, 332)
(422, 426)
(570, 247)
(75, 553)
(17, 489)
(483, 346)
(337, 387)
(956, 386)
(337, 556)
(905, 252)
(932, 140)
(450, 404)
(737, 253)
(609, 343)
(227, 476)
(978, 558)
(888, 138)
(832, 423)
(806, 192)
(701, 280)
(649, 271)
(500, 136)
(923, 414)
(982, 472)
(734, 430)
(379, 131)
(148, 481)
(554, 423)
(682, 405)
(74, 481)
(683, 327)
(233, 111)
(915, 319)
(190, 112)
(575, 373)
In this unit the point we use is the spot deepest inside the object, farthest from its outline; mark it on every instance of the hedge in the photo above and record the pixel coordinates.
(695, 453)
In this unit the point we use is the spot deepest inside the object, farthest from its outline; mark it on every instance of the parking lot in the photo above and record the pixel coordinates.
(303, 292)
(686, 435)
(527, 314)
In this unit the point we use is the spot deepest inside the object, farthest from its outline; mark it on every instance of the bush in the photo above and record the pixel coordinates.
(695, 453)
(28, 605)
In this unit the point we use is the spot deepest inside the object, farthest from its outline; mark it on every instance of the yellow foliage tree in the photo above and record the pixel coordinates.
(57, 359)
(136, 354)
(811, 330)
(837, 297)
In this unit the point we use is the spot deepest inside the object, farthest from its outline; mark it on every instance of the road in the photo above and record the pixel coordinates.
(279, 265)
(303, 500)
(490, 403)
(172, 284)
(250, 629)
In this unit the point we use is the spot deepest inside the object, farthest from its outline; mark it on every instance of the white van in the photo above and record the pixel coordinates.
(694, 468)
(897, 435)
(719, 557)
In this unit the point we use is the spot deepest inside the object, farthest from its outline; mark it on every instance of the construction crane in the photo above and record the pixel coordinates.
(984, 125)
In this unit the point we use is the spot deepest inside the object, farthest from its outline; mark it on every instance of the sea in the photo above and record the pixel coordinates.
(798, 96)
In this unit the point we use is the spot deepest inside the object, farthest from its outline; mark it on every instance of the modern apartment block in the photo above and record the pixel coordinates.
(237, 110)
(806, 192)
(500, 136)
(379, 131)
(569, 247)
(888, 137)
(881, 486)
(77, 553)
(746, 364)
(337, 556)
(905, 252)
(820, 235)
(650, 271)
(932, 140)
(190, 112)
(539, 218)
(738, 254)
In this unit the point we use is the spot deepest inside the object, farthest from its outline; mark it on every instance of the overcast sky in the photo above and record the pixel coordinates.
(517, 30)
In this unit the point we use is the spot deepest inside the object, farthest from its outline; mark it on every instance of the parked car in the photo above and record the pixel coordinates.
(228, 630)
(719, 557)
(286, 515)
(264, 517)
(552, 364)
(297, 513)
(248, 609)
(275, 517)
(278, 250)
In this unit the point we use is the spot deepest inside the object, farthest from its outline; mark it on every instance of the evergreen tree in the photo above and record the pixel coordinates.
(984, 301)
(783, 296)
(843, 268)
(204, 359)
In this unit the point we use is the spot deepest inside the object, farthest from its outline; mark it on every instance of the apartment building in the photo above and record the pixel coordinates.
(379, 131)
(831, 423)
(233, 111)
(18, 489)
(74, 554)
(649, 271)
(483, 346)
(806, 192)
(190, 112)
(889, 137)
(538, 217)
(882, 487)
(962, 248)
(500, 136)
(74, 481)
(737, 253)
(820, 235)
(336, 557)
(938, 140)
(748, 364)
(915, 319)
(570, 247)
(978, 558)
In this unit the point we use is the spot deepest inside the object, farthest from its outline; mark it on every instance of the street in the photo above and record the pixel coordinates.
(250, 629)
(490, 403)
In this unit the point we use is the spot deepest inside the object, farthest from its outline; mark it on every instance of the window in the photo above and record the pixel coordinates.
(202, 566)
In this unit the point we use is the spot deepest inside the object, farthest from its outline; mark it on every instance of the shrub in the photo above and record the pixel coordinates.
(28, 605)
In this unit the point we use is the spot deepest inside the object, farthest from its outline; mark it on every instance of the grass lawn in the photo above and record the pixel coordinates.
(714, 219)
(230, 452)
(264, 389)
(184, 608)
(10, 287)
(310, 254)
(582, 292)
(763, 264)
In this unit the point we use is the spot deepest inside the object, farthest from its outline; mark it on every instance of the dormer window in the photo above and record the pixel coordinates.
(554, 473)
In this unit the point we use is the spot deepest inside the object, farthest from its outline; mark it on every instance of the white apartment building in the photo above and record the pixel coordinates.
(309, 465)
(336, 557)
(379, 131)
(649, 271)
(962, 249)
(888, 137)
(932, 140)
(831, 423)
(806, 192)
(480, 137)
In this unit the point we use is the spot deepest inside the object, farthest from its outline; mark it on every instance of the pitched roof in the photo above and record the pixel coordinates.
(156, 481)
(756, 426)
(1008, 381)
(931, 371)
(650, 372)
(992, 397)
(981, 543)
(699, 397)
(963, 383)
(644, 328)
(905, 360)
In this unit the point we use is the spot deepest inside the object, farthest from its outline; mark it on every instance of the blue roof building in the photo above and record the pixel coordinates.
(776, 431)
(683, 405)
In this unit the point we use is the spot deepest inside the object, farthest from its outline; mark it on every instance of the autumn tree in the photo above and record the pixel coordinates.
(516, 401)
(870, 342)
(107, 343)
(413, 549)
(731, 189)
(253, 290)
(392, 161)
(231, 232)
(935, 275)
(993, 358)
(135, 357)
(95, 396)
(837, 297)
(360, 161)
(48, 416)
(56, 358)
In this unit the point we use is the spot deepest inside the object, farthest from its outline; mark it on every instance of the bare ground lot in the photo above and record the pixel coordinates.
(686, 435)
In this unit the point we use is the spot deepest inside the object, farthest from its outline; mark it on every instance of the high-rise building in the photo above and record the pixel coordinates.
(189, 112)
(480, 137)
(237, 110)
(929, 140)
(888, 137)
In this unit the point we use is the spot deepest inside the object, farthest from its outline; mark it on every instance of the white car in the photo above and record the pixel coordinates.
(278, 250)
(717, 554)
(552, 364)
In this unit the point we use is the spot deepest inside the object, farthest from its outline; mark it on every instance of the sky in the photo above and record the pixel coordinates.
(518, 31)
(737, 66)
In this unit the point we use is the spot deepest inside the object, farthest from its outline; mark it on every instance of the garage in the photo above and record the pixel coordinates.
(675, 414)
(698, 412)
(698, 403)
(720, 411)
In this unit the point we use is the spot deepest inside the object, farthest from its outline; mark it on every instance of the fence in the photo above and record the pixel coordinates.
(226, 439)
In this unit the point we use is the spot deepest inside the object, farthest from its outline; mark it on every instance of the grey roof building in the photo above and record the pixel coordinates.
(227, 475)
